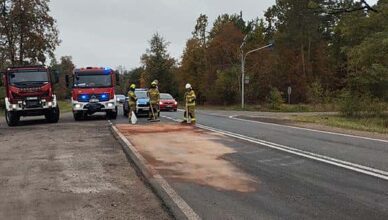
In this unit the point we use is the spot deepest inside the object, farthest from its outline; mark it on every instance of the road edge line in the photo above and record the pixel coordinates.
(174, 202)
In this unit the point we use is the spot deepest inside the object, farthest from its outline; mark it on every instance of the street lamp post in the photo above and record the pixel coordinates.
(243, 58)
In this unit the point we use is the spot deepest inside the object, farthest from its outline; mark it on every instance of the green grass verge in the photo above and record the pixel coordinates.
(282, 108)
(366, 123)
(64, 106)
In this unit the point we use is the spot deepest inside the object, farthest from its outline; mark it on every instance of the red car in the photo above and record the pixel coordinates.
(167, 102)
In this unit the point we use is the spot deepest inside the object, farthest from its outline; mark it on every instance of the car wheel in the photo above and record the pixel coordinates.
(78, 116)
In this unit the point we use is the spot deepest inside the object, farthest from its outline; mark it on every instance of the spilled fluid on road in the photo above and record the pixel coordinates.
(188, 154)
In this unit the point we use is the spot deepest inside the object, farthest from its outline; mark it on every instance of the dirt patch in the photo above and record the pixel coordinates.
(189, 154)
(155, 128)
(70, 170)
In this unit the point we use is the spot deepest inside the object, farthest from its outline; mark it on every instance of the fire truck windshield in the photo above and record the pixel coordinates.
(92, 80)
(28, 77)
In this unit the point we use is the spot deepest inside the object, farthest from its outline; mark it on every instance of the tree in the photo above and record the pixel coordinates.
(368, 58)
(27, 32)
(159, 65)
(302, 39)
(194, 60)
(345, 7)
(223, 55)
(65, 67)
(130, 77)
(199, 32)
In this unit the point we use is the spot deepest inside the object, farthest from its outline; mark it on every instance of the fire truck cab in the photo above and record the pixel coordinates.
(29, 92)
(93, 90)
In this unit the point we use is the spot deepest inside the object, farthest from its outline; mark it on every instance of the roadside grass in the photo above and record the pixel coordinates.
(367, 123)
(64, 106)
(283, 108)
(377, 124)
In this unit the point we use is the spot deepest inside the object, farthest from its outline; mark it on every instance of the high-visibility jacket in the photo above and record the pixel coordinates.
(132, 97)
(154, 95)
(190, 98)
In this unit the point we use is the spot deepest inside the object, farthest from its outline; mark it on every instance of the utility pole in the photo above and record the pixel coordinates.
(242, 79)
(243, 59)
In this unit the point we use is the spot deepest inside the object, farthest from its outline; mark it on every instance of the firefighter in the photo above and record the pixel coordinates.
(154, 95)
(190, 104)
(131, 101)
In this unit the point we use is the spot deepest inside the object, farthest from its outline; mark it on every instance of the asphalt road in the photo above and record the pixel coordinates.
(300, 173)
(69, 170)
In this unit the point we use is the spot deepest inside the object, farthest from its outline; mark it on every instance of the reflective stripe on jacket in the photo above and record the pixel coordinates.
(190, 98)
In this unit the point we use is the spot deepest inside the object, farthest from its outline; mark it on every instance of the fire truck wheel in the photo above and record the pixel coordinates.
(53, 115)
(78, 116)
(12, 118)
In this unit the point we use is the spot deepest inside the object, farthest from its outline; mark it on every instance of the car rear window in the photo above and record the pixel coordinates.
(165, 96)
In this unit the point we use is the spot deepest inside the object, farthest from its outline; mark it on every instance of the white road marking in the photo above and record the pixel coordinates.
(308, 129)
(317, 157)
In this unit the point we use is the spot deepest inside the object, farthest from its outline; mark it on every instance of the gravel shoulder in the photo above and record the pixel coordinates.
(70, 170)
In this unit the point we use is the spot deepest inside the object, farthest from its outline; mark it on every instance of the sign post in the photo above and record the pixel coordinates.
(289, 90)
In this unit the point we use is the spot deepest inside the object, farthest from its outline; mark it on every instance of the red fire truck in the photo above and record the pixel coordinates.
(93, 91)
(29, 92)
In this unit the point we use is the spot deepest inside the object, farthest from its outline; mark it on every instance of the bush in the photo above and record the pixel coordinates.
(315, 93)
(226, 87)
(354, 104)
(275, 99)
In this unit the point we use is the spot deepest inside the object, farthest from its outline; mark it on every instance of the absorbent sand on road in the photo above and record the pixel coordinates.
(188, 154)
(70, 171)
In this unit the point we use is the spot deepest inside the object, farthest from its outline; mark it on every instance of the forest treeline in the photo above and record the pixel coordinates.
(326, 51)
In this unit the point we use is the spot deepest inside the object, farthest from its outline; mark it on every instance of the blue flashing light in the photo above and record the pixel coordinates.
(83, 98)
(107, 70)
(104, 96)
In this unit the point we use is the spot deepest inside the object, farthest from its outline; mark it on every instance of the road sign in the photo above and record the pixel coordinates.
(246, 79)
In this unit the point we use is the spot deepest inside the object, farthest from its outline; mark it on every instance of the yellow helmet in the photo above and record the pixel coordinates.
(154, 83)
(133, 86)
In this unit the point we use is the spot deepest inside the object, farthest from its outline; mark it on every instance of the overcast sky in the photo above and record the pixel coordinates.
(116, 32)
